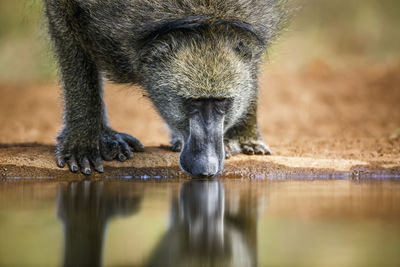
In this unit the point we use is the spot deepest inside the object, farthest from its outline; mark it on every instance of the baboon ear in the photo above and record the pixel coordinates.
(159, 50)
(244, 50)
(165, 47)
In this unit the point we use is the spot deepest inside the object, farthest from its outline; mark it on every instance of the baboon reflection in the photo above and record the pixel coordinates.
(85, 209)
(208, 226)
(208, 230)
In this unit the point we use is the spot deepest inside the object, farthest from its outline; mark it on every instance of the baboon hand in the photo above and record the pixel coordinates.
(245, 146)
(83, 151)
(176, 145)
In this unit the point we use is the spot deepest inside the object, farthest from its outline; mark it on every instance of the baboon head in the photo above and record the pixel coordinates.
(202, 78)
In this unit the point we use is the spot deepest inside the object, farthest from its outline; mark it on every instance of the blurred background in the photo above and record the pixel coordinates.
(333, 30)
(24, 45)
(330, 90)
(334, 74)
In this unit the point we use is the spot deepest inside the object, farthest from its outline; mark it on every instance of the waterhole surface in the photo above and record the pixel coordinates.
(164, 221)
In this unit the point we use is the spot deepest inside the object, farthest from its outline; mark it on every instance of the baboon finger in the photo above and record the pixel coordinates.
(133, 142)
(98, 164)
(126, 150)
(73, 166)
(60, 161)
(85, 166)
(121, 157)
(248, 150)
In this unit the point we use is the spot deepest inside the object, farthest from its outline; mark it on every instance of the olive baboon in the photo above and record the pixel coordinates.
(198, 61)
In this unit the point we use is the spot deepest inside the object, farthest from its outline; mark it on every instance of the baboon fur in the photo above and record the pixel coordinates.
(178, 51)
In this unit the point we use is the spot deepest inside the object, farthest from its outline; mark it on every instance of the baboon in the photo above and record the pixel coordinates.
(209, 227)
(85, 209)
(197, 60)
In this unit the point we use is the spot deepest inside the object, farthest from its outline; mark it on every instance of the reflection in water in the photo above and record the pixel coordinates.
(85, 209)
(203, 232)
(308, 223)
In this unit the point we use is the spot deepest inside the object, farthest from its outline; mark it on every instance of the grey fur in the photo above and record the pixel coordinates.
(178, 51)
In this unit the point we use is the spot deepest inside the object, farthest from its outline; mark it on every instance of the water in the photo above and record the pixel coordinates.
(180, 222)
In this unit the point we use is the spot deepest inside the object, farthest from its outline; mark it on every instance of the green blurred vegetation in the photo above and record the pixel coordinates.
(363, 28)
(25, 52)
(329, 29)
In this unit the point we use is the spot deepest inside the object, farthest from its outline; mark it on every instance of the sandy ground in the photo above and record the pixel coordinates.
(316, 119)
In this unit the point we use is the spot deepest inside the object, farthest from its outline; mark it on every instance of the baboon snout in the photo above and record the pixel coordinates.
(203, 150)
(201, 165)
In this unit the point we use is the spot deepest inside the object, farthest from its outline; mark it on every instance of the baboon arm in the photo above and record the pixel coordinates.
(247, 127)
(245, 137)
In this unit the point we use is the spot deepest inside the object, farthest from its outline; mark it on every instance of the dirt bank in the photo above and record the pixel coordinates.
(318, 117)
